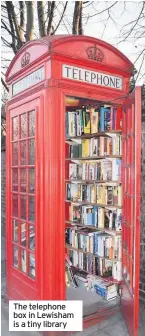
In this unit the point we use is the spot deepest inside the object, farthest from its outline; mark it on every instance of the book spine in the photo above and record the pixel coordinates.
(102, 117)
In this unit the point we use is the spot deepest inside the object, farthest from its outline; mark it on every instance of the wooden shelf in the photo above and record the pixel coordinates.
(108, 230)
(94, 135)
(69, 247)
(91, 182)
(99, 205)
(94, 158)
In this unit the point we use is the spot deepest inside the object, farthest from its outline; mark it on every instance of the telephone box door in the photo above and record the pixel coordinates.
(23, 206)
(131, 173)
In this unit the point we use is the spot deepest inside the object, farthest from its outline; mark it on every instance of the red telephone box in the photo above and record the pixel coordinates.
(45, 78)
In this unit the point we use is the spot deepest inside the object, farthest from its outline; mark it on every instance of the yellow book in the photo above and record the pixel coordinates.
(93, 194)
(86, 122)
(102, 194)
(88, 244)
(85, 148)
(94, 120)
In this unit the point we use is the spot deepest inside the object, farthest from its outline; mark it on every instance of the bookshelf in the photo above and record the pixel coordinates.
(85, 252)
(94, 158)
(93, 227)
(99, 205)
(91, 182)
(88, 136)
(94, 190)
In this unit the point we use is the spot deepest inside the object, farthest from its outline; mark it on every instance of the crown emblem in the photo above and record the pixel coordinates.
(95, 53)
(25, 59)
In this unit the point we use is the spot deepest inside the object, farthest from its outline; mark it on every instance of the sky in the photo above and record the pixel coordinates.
(110, 29)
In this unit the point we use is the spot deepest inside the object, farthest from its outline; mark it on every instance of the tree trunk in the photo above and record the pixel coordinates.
(77, 20)
(30, 21)
(51, 15)
(22, 20)
(80, 20)
(41, 20)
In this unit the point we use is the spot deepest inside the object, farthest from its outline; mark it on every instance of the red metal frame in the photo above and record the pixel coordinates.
(131, 207)
(48, 99)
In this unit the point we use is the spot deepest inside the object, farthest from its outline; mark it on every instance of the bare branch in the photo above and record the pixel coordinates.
(11, 10)
(61, 17)
(104, 10)
(13, 45)
(4, 84)
(8, 30)
(140, 68)
(136, 21)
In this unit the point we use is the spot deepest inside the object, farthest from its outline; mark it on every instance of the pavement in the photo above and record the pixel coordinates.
(113, 326)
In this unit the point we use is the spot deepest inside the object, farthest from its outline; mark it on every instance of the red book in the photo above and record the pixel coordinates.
(119, 118)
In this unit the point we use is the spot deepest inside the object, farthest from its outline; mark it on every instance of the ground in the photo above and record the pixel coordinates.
(114, 326)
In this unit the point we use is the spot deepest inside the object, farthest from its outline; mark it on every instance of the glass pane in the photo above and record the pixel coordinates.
(14, 179)
(32, 266)
(15, 230)
(23, 180)
(15, 153)
(32, 237)
(31, 152)
(15, 128)
(23, 206)
(23, 260)
(32, 180)
(23, 153)
(31, 215)
(14, 205)
(23, 234)
(23, 125)
(15, 256)
(32, 123)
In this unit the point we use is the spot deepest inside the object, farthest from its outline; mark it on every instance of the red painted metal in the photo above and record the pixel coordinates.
(48, 99)
(131, 179)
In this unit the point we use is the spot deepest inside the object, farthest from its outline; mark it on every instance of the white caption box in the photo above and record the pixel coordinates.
(45, 315)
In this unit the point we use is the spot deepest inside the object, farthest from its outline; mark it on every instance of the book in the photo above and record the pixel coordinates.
(94, 116)
(86, 121)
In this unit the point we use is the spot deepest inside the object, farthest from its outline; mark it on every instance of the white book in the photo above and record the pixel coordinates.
(110, 220)
(119, 270)
(120, 195)
(120, 144)
(72, 171)
(71, 120)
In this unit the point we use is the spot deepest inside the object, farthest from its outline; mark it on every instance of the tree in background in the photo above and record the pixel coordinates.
(23, 21)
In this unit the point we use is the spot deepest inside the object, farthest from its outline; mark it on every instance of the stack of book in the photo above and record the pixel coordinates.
(107, 170)
(69, 277)
(89, 119)
(107, 290)
(94, 193)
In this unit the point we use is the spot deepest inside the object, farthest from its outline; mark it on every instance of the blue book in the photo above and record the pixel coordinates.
(103, 110)
(114, 119)
(89, 219)
(94, 215)
(66, 125)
